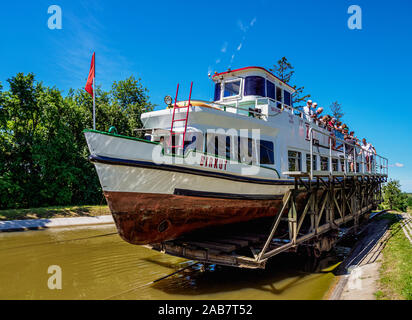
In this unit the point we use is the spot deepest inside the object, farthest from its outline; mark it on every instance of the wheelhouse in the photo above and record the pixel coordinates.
(251, 89)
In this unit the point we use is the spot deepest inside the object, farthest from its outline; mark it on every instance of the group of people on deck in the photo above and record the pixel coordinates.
(341, 131)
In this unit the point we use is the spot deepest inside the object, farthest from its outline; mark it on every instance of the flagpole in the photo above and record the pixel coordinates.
(94, 105)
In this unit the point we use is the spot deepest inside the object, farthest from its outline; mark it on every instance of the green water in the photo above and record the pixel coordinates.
(97, 264)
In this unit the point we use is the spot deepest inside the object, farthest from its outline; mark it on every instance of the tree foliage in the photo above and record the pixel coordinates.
(409, 201)
(284, 70)
(394, 198)
(336, 109)
(43, 152)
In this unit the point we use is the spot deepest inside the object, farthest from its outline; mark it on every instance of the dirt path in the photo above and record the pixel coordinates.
(359, 273)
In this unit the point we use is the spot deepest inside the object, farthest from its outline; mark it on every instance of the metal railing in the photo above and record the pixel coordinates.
(260, 115)
(370, 162)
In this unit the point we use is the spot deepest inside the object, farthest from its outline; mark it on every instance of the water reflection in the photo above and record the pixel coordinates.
(97, 264)
(286, 276)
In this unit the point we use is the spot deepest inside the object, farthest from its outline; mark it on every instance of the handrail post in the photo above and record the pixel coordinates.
(311, 153)
(330, 156)
(344, 159)
(354, 160)
(371, 162)
(363, 162)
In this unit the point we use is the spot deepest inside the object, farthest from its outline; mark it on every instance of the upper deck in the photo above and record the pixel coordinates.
(253, 98)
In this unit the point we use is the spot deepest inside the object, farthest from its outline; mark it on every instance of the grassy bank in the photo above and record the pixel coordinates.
(54, 212)
(396, 269)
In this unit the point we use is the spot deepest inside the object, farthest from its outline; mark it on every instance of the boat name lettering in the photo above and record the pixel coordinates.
(212, 162)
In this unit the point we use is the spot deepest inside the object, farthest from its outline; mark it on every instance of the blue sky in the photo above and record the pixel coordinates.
(165, 42)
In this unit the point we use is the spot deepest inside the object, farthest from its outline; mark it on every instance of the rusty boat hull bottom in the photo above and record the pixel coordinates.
(145, 218)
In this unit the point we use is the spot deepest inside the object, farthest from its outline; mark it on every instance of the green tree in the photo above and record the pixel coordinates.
(130, 97)
(284, 70)
(336, 109)
(409, 201)
(393, 197)
(43, 152)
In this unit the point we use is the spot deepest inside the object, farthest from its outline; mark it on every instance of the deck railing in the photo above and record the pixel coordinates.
(369, 164)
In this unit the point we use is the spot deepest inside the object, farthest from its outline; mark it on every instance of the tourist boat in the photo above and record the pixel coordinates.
(204, 164)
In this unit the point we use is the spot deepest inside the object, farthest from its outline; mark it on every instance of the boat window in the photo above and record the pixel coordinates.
(247, 150)
(266, 155)
(232, 89)
(190, 144)
(216, 152)
(218, 145)
(295, 160)
(279, 94)
(193, 141)
(270, 90)
(287, 98)
(175, 141)
(228, 148)
(217, 92)
(324, 164)
(342, 163)
(338, 143)
(254, 86)
(335, 166)
(308, 162)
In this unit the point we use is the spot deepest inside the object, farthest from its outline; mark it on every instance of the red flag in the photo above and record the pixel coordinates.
(89, 84)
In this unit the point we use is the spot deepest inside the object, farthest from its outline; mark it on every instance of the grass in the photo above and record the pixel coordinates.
(396, 269)
(54, 212)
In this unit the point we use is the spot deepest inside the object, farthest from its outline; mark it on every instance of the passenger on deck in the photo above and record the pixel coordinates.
(316, 115)
(350, 154)
(324, 121)
(328, 123)
(352, 135)
(332, 128)
(332, 124)
(307, 110)
(368, 151)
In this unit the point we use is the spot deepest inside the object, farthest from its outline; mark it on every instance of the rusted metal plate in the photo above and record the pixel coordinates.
(143, 218)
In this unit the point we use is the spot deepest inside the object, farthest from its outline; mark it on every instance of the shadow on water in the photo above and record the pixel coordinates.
(282, 273)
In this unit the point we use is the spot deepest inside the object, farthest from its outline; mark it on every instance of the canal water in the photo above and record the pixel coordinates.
(96, 264)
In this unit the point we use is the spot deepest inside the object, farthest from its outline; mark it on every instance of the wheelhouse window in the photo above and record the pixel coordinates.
(287, 98)
(217, 91)
(254, 86)
(270, 90)
(279, 94)
(232, 89)
(266, 155)
(308, 162)
(295, 160)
